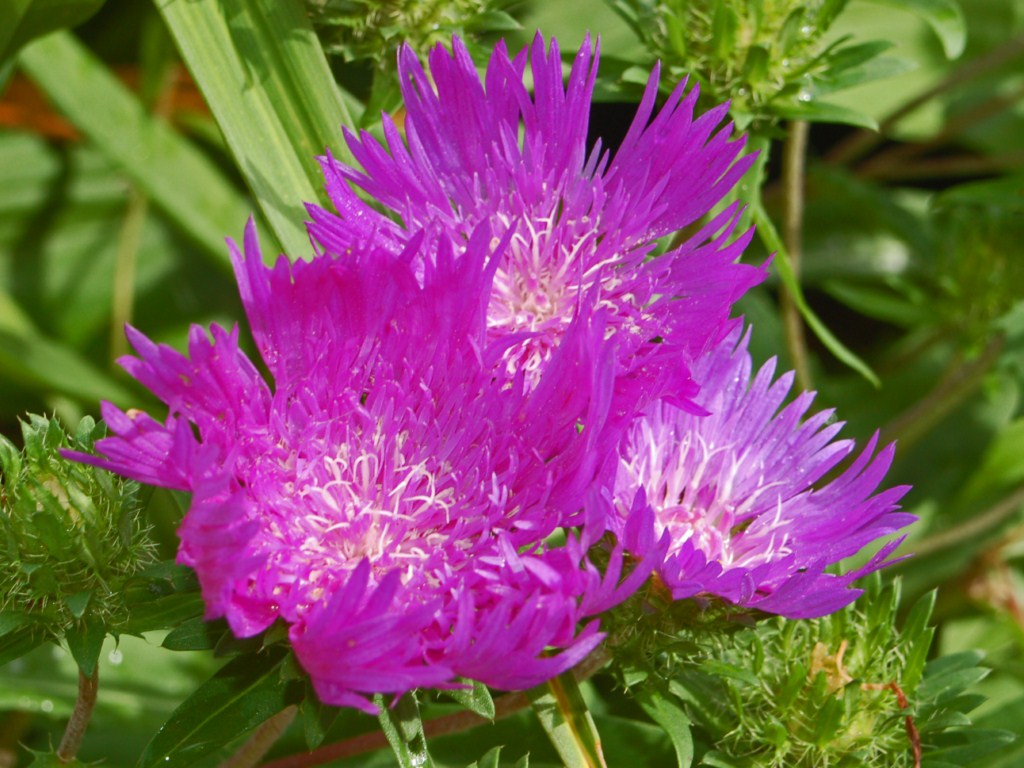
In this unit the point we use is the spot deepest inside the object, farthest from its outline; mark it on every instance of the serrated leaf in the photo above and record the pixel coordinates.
(268, 84)
(25, 20)
(403, 727)
(85, 641)
(246, 692)
(476, 699)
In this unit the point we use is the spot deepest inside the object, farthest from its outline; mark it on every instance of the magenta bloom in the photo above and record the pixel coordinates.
(580, 225)
(738, 494)
(389, 496)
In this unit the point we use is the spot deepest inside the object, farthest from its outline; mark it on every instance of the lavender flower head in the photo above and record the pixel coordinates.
(580, 224)
(739, 493)
(390, 496)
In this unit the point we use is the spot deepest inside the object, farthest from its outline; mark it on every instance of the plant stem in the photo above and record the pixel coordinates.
(955, 536)
(956, 384)
(794, 153)
(80, 716)
(262, 740)
(459, 722)
(862, 142)
(124, 271)
(892, 159)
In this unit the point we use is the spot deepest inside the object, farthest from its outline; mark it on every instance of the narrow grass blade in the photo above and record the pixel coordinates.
(563, 714)
(266, 79)
(173, 174)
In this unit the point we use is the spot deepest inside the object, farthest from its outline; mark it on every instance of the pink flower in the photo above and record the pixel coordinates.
(740, 493)
(580, 225)
(390, 496)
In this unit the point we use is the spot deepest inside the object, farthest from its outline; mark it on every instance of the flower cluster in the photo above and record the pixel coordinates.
(476, 390)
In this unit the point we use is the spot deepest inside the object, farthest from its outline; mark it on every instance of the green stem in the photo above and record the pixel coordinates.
(124, 271)
(794, 153)
(80, 717)
(956, 385)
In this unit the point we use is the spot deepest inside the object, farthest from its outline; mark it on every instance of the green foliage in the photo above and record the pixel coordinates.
(25, 20)
(372, 30)
(366, 35)
(845, 690)
(293, 113)
(564, 716)
(403, 727)
(243, 694)
(769, 57)
(74, 539)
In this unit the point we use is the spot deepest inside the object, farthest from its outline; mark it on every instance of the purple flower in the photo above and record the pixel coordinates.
(581, 225)
(740, 492)
(390, 496)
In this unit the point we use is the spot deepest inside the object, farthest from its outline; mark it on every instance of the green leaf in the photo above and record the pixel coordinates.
(268, 84)
(817, 111)
(25, 20)
(195, 634)
(944, 17)
(11, 620)
(947, 677)
(1007, 192)
(1000, 468)
(29, 357)
(244, 693)
(491, 760)
(85, 641)
(172, 172)
(879, 302)
(403, 727)
(766, 231)
(477, 699)
(163, 613)
(563, 714)
(317, 718)
(16, 644)
(667, 711)
(78, 602)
